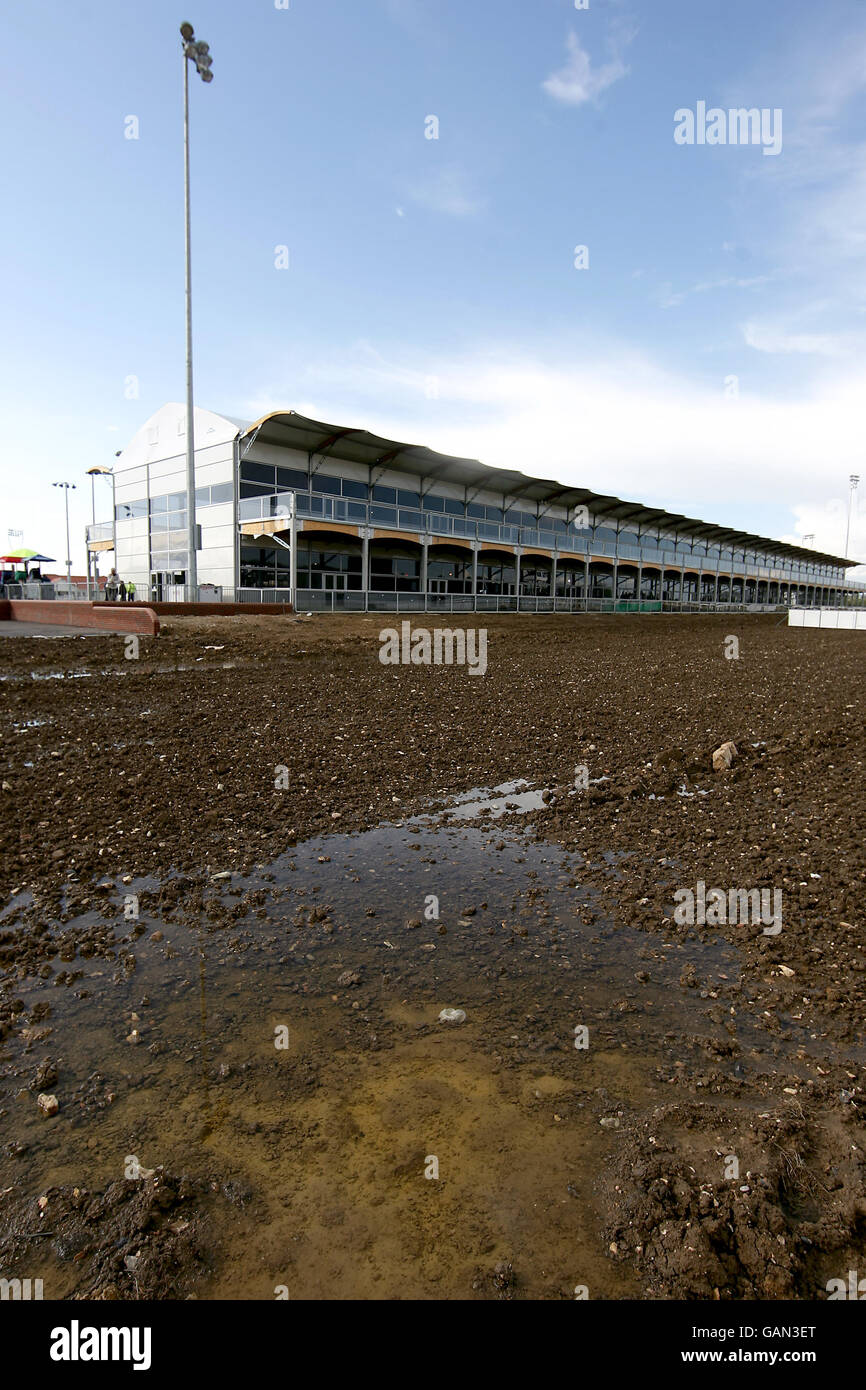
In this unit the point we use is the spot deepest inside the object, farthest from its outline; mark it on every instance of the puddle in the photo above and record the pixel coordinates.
(509, 796)
(353, 944)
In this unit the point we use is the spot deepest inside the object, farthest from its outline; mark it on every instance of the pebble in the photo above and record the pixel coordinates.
(452, 1016)
(48, 1105)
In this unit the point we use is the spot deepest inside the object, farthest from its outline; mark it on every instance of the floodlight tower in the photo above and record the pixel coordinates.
(66, 487)
(198, 53)
(852, 481)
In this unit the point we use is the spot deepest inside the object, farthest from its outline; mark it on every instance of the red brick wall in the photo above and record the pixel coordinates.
(103, 617)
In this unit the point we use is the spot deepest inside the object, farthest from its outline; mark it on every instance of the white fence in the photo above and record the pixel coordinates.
(828, 617)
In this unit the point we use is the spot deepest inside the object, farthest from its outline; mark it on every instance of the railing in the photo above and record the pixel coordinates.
(36, 590)
(439, 525)
(373, 601)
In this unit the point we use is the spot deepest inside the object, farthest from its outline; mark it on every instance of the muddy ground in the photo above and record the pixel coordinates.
(217, 838)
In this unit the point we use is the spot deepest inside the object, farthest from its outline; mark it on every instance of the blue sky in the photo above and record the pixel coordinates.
(710, 358)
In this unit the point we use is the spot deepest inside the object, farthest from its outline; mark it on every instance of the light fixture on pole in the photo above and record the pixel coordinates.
(853, 480)
(66, 487)
(198, 53)
(93, 474)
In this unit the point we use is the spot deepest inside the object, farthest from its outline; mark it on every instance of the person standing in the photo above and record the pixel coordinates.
(121, 592)
(130, 592)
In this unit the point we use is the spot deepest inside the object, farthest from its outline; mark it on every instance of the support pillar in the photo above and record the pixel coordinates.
(293, 552)
(553, 581)
(425, 544)
(475, 574)
(365, 567)
(517, 555)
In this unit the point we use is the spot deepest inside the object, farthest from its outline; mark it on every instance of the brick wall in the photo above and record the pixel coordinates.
(102, 617)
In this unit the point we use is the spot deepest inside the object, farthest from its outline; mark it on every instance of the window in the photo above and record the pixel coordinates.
(385, 494)
(255, 490)
(475, 510)
(354, 489)
(158, 504)
(209, 496)
(291, 478)
(408, 499)
(259, 473)
(433, 503)
(453, 507)
(124, 511)
(495, 514)
(323, 482)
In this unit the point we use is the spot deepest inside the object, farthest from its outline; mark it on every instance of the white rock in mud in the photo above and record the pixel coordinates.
(452, 1016)
(49, 1105)
(724, 756)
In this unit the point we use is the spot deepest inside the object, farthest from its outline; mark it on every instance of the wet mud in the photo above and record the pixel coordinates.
(232, 989)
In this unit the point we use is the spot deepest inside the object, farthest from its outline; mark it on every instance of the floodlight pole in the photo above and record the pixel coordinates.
(66, 487)
(853, 480)
(192, 559)
(198, 53)
(102, 473)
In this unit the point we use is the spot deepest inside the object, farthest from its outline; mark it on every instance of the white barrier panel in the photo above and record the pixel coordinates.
(828, 617)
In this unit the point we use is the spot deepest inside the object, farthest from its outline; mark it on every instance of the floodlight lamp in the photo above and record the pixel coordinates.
(207, 75)
(187, 31)
(203, 47)
(190, 51)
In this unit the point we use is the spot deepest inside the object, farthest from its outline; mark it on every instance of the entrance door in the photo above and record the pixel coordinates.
(334, 581)
(437, 586)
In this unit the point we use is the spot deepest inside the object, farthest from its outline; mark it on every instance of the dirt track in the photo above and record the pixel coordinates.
(162, 771)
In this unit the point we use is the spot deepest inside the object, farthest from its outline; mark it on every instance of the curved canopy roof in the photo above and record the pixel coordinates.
(290, 430)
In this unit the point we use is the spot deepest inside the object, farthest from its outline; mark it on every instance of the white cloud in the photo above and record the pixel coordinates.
(578, 81)
(669, 299)
(827, 521)
(772, 339)
(447, 191)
